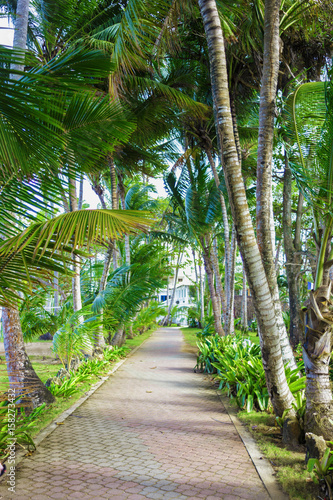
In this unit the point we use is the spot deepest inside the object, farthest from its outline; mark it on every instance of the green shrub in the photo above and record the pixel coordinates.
(238, 364)
(20, 433)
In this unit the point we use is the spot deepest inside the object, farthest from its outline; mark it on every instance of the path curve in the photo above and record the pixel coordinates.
(154, 430)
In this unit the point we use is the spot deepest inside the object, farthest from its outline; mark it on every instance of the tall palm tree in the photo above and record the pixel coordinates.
(276, 382)
(310, 126)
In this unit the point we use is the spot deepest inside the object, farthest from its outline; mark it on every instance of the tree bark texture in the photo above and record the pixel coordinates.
(114, 201)
(293, 259)
(121, 190)
(318, 321)
(119, 337)
(230, 323)
(225, 302)
(20, 33)
(76, 280)
(206, 252)
(244, 301)
(264, 164)
(197, 288)
(22, 377)
(202, 295)
(278, 389)
(219, 288)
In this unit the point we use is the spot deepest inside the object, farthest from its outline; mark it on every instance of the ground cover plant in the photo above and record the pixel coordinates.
(235, 366)
(233, 106)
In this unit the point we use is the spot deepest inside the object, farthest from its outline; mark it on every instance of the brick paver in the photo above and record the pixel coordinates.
(154, 430)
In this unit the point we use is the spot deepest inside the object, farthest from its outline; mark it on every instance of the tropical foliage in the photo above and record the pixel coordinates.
(114, 95)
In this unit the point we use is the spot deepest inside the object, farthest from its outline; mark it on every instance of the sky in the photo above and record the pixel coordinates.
(6, 38)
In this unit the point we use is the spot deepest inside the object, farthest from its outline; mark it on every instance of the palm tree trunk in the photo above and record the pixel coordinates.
(197, 288)
(56, 292)
(202, 295)
(316, 355)
(244, 301)
(81, 192)
(76, 281)
(20, 33)
(219, 288)
(23, 379)
(293, 260)
(230, 323)
(119, 337)
(121, 189)
(227, 252)
(278, 389)
(114, 201)
(179, 260)
(264, 164)
(210, 278)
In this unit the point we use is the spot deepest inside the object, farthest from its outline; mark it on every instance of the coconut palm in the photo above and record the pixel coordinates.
(196, 203)
(128, 287)
(310, 127)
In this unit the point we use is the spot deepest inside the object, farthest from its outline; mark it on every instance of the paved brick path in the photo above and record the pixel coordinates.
(154, 430)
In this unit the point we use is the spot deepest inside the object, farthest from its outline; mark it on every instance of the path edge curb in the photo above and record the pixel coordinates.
(262, 465)
(43, 434)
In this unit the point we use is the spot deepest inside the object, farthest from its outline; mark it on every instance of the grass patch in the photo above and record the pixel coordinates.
(136, 341)
(289, 465)
(43, 370)
(190, 336)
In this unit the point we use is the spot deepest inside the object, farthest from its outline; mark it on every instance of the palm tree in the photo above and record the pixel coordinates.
(32, 254)
(128, 287)
(310, 127)
(197, 203)
(279, 392)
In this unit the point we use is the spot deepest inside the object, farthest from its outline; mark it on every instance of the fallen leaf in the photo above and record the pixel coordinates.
(153, 368)
(149, 391)
(60, 423)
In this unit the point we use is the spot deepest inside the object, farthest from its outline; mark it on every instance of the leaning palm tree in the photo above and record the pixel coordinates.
(31, 255)
(43, 107)
(310, 127)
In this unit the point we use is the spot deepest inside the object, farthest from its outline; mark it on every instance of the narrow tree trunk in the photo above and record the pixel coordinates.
(197, 287)
(76, 280)
(244, 301)
(210, 278)
(179, 260)
(114, 201)
(277, 257)
(119, 337)
(56, 292)
(20, 33)
(293, 261)
(230, 323)
(225, 302)
(23, 379)
(81, 192)
(278, 389)
(264, 164)
(121, 189)
(202, 296)
(219, 288)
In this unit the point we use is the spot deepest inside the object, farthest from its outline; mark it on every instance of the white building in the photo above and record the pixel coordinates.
(182, 293)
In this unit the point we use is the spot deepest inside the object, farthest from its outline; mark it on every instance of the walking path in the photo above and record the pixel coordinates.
(154, 430)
